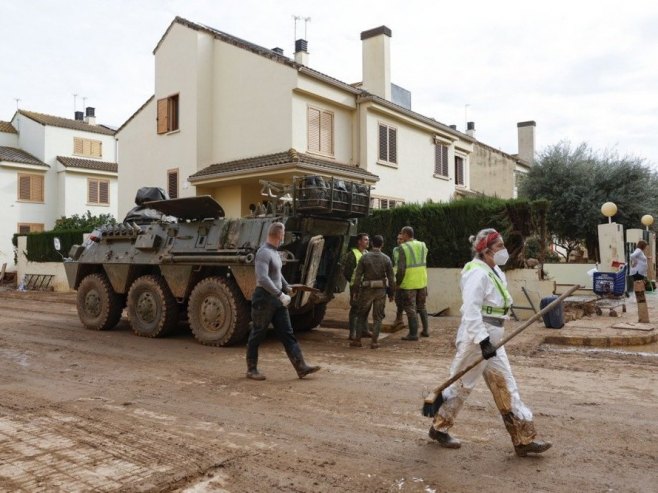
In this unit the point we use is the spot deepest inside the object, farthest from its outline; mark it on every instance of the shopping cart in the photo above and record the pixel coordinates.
(610, 287)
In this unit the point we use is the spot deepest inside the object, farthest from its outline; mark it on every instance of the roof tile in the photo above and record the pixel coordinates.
(71, 162)
(7, 127)
(57, 121)
(14, 155)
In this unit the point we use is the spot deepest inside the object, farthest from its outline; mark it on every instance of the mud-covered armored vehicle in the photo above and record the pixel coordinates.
(183, 258)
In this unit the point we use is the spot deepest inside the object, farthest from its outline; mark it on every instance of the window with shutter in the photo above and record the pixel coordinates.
(388, 144)
(172, 183)
(459, 171)
(87, 147)
(167, 114)
(104, 192)
(320, 124)
(313, 130)
(326, 133)
(92, 191)
(98, 191)
(78, 145)
(441, 160)
(30, 188)
(25, 228)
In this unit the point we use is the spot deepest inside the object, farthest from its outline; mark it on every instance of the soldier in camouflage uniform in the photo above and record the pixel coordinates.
(352, 259)
(398, 322)
(411, 277)
(372, 280)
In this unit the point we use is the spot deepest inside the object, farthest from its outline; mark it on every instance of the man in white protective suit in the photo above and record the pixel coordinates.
(486, 303)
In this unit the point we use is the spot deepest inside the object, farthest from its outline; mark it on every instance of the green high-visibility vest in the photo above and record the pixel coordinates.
(415, 273)
(498, 282)
(357, 254)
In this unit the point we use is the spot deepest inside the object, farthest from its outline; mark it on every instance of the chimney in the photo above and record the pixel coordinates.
(527, 141)
(90, 115)
(376, 56)
(470, 129)
(79, 116)
(278, 51)
(454, 127)
(301, 52)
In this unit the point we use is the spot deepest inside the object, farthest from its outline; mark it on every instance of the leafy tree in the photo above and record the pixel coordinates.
(85, 222)
(578, 180)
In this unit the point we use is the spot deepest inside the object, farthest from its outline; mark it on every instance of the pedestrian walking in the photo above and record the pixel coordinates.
(485, 304)
(269, 304)
(372, 279)
(411, 280)
(352, 259)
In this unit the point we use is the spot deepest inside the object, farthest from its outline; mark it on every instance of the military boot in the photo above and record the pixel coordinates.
(297, 360)
(376, 327)
(534, 447)
(413, 330)
(424, 323)
(252, 370)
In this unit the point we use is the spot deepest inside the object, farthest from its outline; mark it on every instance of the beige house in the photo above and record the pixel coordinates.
(227, 113)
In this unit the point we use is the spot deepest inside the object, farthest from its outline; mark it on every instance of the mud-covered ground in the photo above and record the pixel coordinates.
(109, 411)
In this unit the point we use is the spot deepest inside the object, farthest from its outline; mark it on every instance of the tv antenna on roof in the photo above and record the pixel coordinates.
(75, 106)
(18, 100)
(306, 21)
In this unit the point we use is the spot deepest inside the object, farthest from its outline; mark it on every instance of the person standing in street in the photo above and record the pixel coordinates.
(639, 262)
(372, 278)
(485, 304)
(352, 259)
(398, 322)
(269, 303)
(411, 279)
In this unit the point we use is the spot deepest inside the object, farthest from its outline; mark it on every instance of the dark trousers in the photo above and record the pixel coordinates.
(266, 308)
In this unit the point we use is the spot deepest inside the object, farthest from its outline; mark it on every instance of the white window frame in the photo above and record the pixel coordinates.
(386, 161)
(324, 148)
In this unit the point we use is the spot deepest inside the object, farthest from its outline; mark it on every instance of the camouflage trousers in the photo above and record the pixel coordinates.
(375, 298)
(411, 301)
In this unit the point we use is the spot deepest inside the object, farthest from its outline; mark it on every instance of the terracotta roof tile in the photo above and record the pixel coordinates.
(7, 127)
(71, 162)
(19, 156)
(56, 121)
(291, 159)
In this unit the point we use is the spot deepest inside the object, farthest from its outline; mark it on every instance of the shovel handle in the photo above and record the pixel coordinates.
(435, 393)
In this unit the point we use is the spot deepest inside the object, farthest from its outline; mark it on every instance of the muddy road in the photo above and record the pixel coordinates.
(109, 411)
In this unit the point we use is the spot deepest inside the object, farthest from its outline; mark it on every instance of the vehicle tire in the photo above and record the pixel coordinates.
(99, 307)
(306, 321)
(218, 312)
(152, 309)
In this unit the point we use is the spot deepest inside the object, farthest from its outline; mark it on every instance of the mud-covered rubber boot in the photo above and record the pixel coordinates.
(297, 360)
(534, 447)
(413, 330)
(374, 337)
(444, 439)
(425, 324)
(252, 370)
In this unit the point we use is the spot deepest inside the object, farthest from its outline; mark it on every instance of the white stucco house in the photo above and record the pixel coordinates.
(52, 167)
(226, 113)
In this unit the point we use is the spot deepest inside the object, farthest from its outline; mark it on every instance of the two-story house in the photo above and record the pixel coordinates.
(52, 167)
(227, 113)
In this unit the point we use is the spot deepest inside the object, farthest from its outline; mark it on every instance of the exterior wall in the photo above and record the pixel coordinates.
(8, 140)
(31, 136)
(492, 172)
(75, 194)
(59, 283)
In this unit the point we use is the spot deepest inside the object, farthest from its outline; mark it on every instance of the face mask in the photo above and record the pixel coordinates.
(501, 257)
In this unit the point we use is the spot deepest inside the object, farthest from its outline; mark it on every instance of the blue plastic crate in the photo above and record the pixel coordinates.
(609, 283)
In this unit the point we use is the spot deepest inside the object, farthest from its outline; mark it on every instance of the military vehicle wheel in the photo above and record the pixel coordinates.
(218, 312)
(152, 309)
(306, 321)
(99, 307)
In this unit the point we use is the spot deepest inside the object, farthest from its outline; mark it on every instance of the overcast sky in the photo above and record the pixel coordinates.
(584, 71)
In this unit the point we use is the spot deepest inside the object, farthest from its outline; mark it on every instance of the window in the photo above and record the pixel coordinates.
(388, 144)
(98, 191)
(320, 131)
(441, 160)
(385, 203)
(167, 118)
(30, 188)
(459, 171)
(24, 228)
(87, 147)
(172, 183)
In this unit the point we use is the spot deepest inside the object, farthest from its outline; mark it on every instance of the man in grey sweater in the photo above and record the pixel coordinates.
(269, 303)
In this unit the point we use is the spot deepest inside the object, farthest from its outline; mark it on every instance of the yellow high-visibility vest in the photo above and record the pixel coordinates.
(357, 254)
(415, 256)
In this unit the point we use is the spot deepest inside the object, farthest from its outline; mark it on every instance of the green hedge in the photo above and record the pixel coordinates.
(40, 246)
(445, 227)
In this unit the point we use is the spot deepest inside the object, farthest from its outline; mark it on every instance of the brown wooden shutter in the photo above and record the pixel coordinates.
(172, 184)
(314, 130)
(441, 159)
(383, 143)
(163, 117)
(92, 191)
(172, 112)
(104, 192)
(24, 187)
(392, 145)
(78, 145)
(459, 171)
(37, 188)
(23, 229)
(95, 148)
(326, 133)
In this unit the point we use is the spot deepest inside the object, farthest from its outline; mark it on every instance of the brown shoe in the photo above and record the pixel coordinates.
(444, 439)
(534, 447)
(356, 343)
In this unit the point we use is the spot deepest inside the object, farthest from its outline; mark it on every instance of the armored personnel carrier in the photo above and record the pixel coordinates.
(183, 258)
